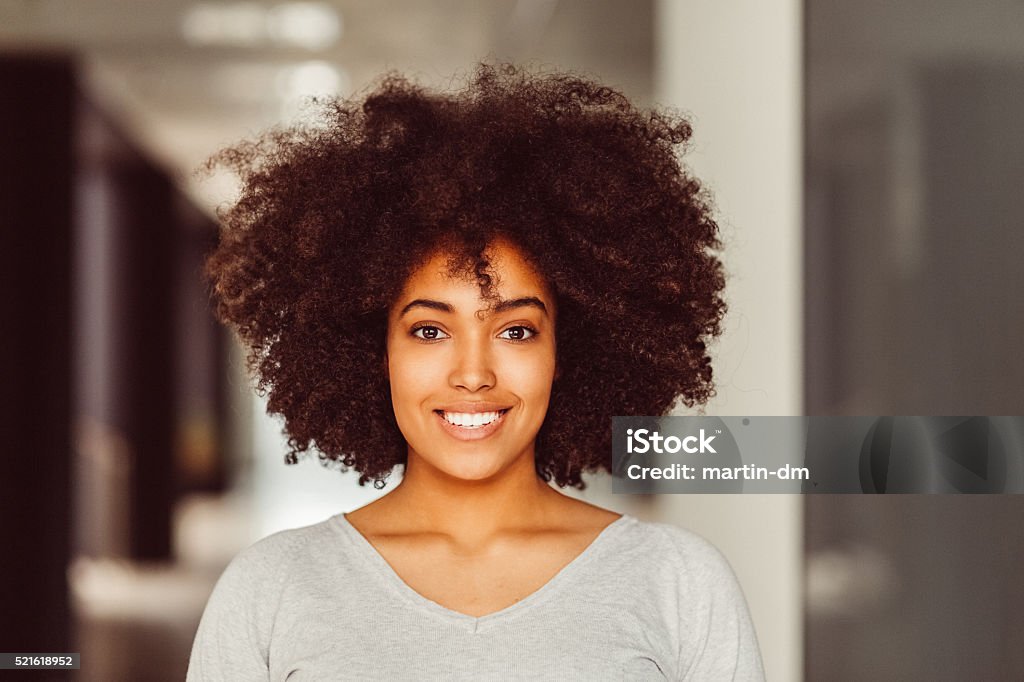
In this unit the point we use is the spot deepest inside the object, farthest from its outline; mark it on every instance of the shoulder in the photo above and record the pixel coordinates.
(262, 568)
(691, 550)
(673, 543)
(716, 635)
(285, 541)
(234, 635)
(677, 559)
(280, 547)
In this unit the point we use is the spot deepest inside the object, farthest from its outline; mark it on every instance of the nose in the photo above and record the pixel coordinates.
(473, 369)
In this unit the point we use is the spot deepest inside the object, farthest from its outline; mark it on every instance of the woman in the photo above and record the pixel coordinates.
(470, 286)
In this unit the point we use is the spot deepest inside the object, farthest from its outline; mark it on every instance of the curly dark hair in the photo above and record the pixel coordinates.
(333, 217)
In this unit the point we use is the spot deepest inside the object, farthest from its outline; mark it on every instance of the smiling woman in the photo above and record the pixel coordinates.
(470, 286)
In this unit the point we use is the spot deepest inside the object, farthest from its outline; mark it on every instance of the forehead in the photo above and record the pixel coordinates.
(512, 276)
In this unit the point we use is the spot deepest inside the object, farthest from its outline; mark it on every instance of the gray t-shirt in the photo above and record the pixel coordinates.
(645, 601)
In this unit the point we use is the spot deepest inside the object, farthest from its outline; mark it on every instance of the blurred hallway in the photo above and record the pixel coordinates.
(864, 161)
(136, 620)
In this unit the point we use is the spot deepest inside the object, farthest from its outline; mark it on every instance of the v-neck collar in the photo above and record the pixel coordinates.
(379, 565)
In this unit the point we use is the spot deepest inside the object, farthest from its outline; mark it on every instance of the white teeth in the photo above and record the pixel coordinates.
(470, 420)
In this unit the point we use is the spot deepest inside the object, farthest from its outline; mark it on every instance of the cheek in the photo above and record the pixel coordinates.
(410, 380)
(404, 397)
(532, 376)
(396, 384)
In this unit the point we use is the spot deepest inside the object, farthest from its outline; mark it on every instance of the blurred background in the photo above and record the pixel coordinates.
(866, 160)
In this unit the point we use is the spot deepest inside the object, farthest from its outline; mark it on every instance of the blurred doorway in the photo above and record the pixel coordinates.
(914, 163)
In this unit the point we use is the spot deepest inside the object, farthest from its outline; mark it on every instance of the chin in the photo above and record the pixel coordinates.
(479, 469)
(467, 464)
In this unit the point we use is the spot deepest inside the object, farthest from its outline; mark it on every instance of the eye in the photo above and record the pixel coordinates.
(518, 333)
(429, 333)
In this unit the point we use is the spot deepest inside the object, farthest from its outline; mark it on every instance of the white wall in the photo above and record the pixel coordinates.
(300, 495)
(735, 66)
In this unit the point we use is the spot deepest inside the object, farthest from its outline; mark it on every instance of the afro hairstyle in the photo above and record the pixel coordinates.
(334, 216)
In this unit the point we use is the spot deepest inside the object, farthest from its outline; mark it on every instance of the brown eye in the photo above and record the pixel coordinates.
(517, 333)
(429, 333)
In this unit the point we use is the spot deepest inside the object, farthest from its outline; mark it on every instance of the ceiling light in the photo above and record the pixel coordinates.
(309, 25)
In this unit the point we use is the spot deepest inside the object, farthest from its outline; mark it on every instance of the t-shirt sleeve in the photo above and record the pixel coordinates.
(719, 642)
(233, 640)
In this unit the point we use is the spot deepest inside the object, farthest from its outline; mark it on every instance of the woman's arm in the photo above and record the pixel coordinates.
(233, 640)
(719, 641)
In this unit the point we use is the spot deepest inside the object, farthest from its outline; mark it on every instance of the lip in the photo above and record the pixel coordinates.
(473, 406)
(472, 433)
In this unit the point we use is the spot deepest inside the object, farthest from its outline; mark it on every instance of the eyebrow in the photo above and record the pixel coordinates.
(500, 307)
(523, 302)
(427, 303)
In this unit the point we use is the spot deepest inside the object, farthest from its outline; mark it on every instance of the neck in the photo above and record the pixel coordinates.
(472, 511)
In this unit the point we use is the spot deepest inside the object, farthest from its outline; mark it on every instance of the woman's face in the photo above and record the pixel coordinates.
(471, 378)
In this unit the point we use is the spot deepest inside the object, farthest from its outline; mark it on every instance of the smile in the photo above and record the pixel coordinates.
(472, 420)
(471, 425)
